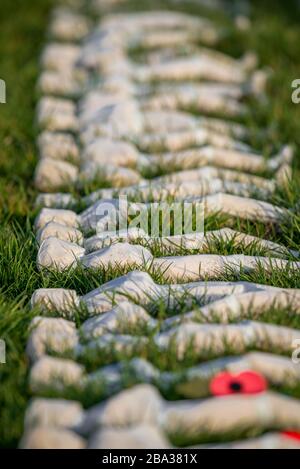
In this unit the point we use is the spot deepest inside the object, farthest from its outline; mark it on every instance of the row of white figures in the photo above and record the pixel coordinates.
(129, 101)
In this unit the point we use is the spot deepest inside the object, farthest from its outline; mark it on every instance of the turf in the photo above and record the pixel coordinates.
(22, 35)
(274, 35)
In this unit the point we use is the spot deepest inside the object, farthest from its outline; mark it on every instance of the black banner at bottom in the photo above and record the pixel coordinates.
(138, 458)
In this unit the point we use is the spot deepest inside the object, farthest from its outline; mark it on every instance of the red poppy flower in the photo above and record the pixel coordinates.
(291, 434)
(247, 382)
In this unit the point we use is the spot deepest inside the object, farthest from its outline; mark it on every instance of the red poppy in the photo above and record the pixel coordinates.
(247, 382)
(291, 434)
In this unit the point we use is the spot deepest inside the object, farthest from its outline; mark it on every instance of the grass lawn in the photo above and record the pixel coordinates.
(22, 35)
(274, 35)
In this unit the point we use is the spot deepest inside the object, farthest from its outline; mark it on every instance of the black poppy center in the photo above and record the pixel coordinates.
(235, 386)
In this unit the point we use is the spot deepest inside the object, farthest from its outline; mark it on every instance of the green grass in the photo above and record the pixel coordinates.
(22, 35)
(274, 35)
